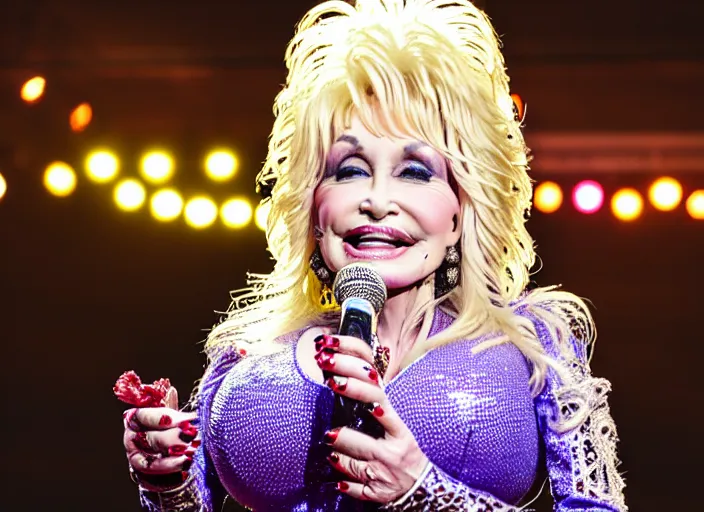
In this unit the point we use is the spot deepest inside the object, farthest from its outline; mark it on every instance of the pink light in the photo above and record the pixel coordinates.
(588, 196)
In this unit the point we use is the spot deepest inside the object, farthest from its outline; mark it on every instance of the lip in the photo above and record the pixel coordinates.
(382, 230)
(376, 253)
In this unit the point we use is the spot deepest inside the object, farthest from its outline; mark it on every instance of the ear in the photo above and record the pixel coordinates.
(456, 233)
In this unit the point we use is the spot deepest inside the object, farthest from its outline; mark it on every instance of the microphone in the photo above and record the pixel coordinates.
(361, 293)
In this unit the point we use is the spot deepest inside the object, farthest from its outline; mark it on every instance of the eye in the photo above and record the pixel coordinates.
(417, 171)
(350, 171)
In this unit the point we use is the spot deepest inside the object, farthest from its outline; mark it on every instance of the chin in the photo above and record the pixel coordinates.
(397, 273)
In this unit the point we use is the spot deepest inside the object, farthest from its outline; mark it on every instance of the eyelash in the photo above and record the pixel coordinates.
(418, 172)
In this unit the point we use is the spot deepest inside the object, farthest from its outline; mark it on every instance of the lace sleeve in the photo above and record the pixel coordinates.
(579, 434)
(202, 490)
(436, 491)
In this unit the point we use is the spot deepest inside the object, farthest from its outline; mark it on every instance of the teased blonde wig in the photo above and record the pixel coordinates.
(424, 69)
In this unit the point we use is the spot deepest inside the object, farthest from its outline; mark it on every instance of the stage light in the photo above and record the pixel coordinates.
(102, 166)
(261, 214)
(519, 107)
(80, 117)
(548, 197)
(157, 167)
(3, 187)
(236, 213)
(627, 204)
(60, 179)
(665, 194)
(588, 196)
(166, 205)
(200, 212)
(130, 195)
(220, 165)
(695, 204)
(33, 89)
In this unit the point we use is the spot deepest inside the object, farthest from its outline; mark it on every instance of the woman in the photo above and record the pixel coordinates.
(395, 143)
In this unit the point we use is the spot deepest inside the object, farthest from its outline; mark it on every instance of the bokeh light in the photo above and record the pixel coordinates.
(80, 117)
(102, 166)
(236, 213)
(60, 179)
(157, 166)
(166, 205)
(220, 165)
(33, 89)
(130, 195)
(200, 212)
(548, 197)
(261, 214)
(588, 196)
(3, 186)
(627, 204)
(695, 205)
(665, 194)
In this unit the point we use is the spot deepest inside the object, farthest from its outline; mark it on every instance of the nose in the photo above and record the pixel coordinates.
(379, 203)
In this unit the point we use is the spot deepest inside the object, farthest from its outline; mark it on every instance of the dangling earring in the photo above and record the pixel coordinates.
(321, 271)
(447, 276)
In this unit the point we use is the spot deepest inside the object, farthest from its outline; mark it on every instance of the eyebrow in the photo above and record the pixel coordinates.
(350, 139)
(407, 150)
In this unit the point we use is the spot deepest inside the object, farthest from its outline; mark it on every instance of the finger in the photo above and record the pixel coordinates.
(353, 469)
(347, 366)
(158, 465)
(357, 490)
(350, 442)
(346, 345)
(155, 418)
(379, 406)
(175, 441)
(172, 398)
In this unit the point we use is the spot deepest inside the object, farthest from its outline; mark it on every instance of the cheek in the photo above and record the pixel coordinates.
(333, 203)
(434, 209)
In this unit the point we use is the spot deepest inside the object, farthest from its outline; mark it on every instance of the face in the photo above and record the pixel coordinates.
(388, 202)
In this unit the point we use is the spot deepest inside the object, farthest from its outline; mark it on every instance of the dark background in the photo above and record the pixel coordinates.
(88, 291)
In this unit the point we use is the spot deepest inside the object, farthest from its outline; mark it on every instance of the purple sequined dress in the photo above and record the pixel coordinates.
(263, 419)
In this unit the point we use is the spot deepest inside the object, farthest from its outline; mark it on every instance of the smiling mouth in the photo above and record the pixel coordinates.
(375, 241)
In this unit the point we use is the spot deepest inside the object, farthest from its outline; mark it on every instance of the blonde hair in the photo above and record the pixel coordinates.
(425, 69)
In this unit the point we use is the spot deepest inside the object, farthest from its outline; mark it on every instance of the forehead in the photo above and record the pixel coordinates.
(357, 133)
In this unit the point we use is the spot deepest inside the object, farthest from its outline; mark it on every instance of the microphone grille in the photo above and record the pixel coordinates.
(362, 281)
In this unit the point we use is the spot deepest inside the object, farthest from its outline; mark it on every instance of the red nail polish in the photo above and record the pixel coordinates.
(165, 420)
(337, 383)
(189, 453)
(373, 375)
(242, 352)
(334, 458)
(195, 443)
(343, 486)
(378, 411)
(331, 436)
(184, 475)
(325, 361)
(177, 450)
(332, 342)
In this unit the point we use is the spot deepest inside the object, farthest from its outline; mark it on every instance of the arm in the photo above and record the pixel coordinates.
(201, 491)
(579, 434)
(436, 491)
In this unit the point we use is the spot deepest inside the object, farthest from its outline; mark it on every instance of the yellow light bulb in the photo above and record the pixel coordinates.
(627, 204)
(60, 179)
(548, 197)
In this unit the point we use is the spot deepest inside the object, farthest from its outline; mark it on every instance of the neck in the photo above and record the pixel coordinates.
(397, 311)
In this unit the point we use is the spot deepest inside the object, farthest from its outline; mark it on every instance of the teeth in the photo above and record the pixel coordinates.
(377, 237)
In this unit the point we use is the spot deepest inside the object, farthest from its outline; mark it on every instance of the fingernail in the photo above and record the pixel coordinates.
(195, 443)
(165, 420)
(184, 475)
(140, 441)
(331, 341)
(342, 486)
(189, 453)
(373, 374)
(337, 383)
(187, 437)
(242, 352)
(378, 411)
(331, 436)
(179, 449)
(334, 458)
(319, 338)
(325, 361)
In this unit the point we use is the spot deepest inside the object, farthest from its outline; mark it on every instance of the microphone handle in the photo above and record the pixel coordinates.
(346, 411)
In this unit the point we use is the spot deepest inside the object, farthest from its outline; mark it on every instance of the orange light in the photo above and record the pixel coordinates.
(3, 186)
(695, 205)
(519, 107)
(548, 197)
(627, 204)
(665, 194)
(33, 89)
(80, 117)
